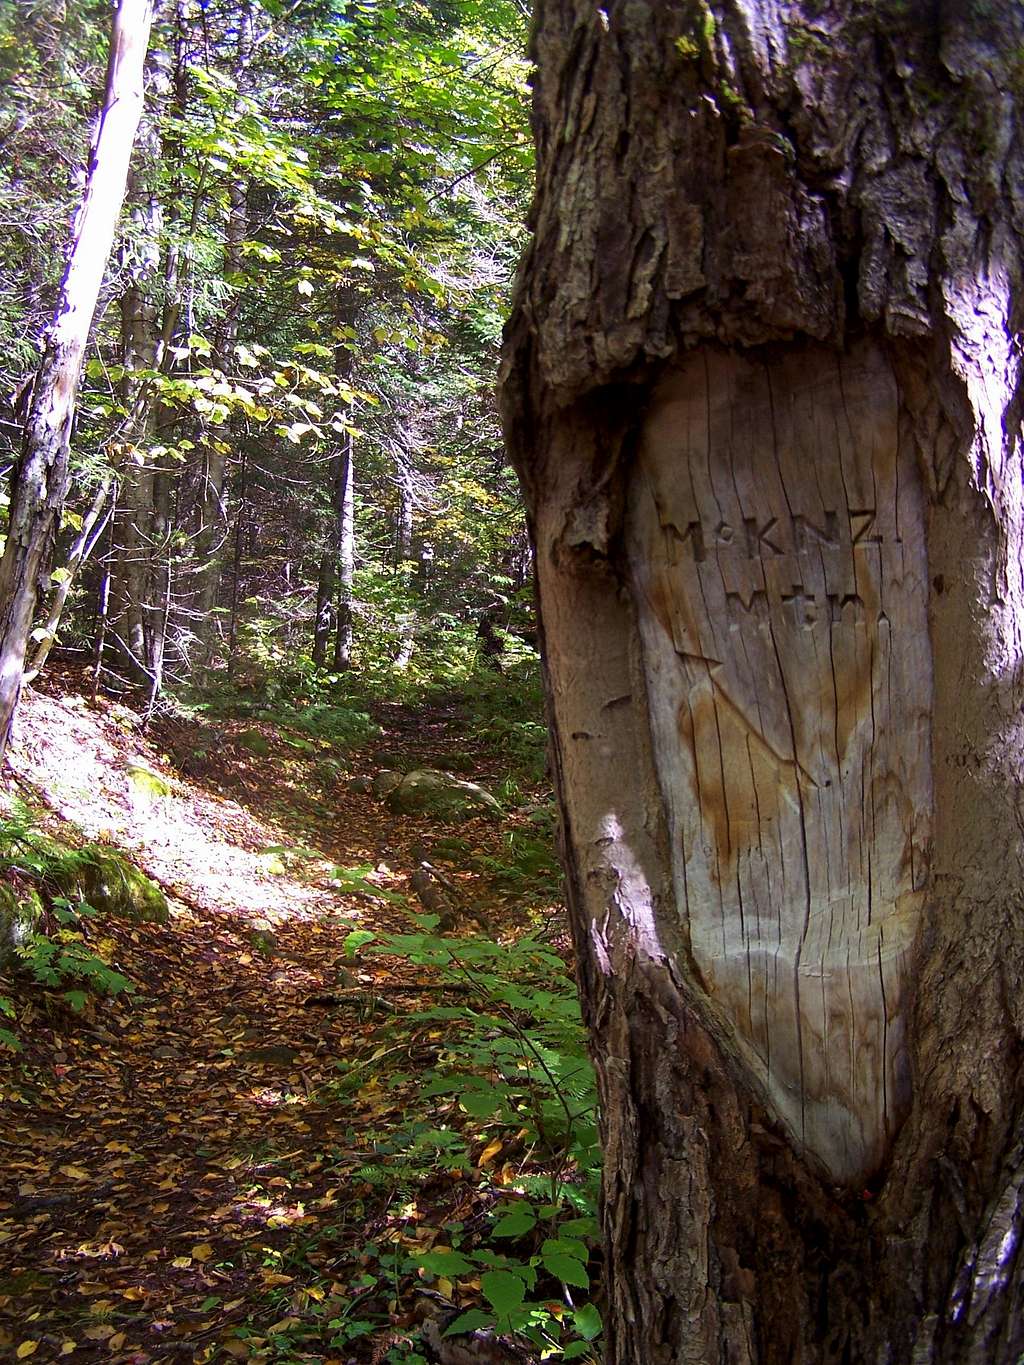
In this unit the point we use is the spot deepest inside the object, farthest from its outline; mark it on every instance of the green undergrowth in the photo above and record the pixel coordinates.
(47, 936)
(515, 1074)
(472, 1200)
(501, 702)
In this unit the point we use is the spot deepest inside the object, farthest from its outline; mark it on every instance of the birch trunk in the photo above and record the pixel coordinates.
(344, 525)
(345, 528)
(40, 481)
(762, 387)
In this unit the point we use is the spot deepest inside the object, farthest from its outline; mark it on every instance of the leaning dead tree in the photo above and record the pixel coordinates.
(40, 479)
(762, 386)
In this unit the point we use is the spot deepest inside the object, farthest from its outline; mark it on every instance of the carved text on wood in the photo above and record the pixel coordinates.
(776, 542)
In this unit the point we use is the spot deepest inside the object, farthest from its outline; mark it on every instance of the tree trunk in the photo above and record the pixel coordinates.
(40, 481)
(761, 385)
(344, 529)
(150, 310)
(89, 534)
(324, 620)
(241, 520)
(214, 529)
(406, 509)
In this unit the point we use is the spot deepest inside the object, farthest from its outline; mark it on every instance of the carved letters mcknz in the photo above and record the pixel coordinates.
(777, 549)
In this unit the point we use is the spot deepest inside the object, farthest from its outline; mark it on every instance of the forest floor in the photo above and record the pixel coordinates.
(191, 1172)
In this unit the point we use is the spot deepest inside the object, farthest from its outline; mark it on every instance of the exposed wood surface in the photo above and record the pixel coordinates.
(777, 541)
(765, 349)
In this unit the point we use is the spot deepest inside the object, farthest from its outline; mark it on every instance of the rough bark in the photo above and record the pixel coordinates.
(40, 480)
(762, 385)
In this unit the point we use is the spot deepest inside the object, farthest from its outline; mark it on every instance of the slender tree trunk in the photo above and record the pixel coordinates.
(404, 518)
(214, 528)
(103, 596)
(236, 565)
(85, 542)
(140, 351)
(345, 527)
(150, 308)
(343, 530)
(40, 482)
(324, 620)
(762, 385)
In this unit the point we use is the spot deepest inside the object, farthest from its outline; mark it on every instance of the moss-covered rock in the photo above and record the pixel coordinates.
(147, 786)
(385, 781)
(428, 791)
(20, 909)
(112, 885)
(256, 743)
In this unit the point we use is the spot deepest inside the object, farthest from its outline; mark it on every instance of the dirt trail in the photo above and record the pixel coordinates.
(180, 1162)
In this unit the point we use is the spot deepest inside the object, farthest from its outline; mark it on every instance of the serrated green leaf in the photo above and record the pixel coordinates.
(471, 1321)
(481, 1103)
(566, 1268)
(565, 1246)
(587, 1321)
(514, 1224)
(503, 1291)
(445, 1263)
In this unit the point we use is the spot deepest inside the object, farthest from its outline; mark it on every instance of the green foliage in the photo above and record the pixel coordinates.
(515, 1067)
(506, 712)
(529, 868)
(51, 946)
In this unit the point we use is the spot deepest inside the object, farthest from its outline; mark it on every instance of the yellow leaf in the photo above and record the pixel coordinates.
(103, 1332)
(202, 1252)
(66, 1347)
(75, 1172)
(238, 1348)
(133, 1294)
(271, 1277)
(26, 1349)
(445, 1288)
(315, 1292)
(116, 1341)
(181, 1262)
(488, 1154)
(281, 1326)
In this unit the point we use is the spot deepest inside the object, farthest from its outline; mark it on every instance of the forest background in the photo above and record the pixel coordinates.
(286, 459)
(290, 509)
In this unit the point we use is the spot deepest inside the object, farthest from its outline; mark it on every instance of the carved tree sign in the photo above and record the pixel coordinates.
(762, 386)
(779, 560)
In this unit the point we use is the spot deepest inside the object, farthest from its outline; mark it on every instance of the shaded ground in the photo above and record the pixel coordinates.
(183, 1176)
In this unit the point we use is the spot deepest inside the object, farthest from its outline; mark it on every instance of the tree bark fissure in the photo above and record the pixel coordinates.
(762, 389)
